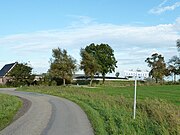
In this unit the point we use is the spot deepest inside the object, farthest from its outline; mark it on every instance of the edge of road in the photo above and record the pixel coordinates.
(26, 104)
(67, 104)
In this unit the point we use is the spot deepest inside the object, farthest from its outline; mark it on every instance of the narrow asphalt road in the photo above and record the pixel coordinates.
(48, 115)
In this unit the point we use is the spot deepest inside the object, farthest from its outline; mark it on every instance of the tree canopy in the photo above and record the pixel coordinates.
(104, 55)
(174, 62)
(21, 74)
(174, 66)
(62, 65)
(89, 64)
(158, 66)
(117, 74)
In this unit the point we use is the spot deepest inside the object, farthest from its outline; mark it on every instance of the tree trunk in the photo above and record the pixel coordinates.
(156, 80)
(91, 80)
(174, 77)
(64, 82)
(103, 78)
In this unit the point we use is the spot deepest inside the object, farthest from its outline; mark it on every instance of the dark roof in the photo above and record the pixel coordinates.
(6, 69)
(99, 77)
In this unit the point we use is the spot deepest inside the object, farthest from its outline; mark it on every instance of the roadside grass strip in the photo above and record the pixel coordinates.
(9, 105)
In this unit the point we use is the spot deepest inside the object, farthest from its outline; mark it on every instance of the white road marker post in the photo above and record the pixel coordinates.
(135, 87)
(136, 74)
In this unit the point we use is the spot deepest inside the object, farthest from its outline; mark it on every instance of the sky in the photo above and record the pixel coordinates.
(135, 29)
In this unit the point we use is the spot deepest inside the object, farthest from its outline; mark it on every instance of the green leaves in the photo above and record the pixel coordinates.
(21, 74)
(158, 66)
(104, 56)
(89, 64)
(62, 64)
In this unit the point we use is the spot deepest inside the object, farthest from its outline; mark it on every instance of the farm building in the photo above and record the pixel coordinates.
(4, 72)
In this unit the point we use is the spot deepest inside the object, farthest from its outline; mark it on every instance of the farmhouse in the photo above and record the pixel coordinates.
(4, 72)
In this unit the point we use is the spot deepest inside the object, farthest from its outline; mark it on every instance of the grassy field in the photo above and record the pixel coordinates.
(109, 107)
(169, 93)
(9, 105)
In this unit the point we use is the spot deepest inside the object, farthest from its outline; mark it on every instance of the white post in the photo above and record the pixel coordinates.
(135, 86)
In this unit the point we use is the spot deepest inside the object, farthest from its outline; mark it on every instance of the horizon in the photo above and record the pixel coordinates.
(134, 30)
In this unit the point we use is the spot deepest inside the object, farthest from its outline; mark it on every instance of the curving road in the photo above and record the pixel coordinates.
(48, 115)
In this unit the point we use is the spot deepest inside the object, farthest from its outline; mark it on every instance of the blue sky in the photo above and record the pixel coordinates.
(29, 30)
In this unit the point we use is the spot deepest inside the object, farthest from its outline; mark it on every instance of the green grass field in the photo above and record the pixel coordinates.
(9, 105)
(170, 93)
(110, 107)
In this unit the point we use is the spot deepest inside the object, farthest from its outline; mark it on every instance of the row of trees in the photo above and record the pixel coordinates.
(94, 59)
(159, 68)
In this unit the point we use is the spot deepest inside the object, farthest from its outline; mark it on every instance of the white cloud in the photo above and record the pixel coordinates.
(82, 20)
(132, 45)
(161, 8)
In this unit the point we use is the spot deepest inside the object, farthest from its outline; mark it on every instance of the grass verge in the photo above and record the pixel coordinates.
(110, 111)
(9, 105)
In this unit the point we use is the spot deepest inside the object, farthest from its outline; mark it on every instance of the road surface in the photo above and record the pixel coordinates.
(48, 115)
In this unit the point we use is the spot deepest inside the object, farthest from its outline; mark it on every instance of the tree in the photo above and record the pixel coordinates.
(174, 66)
(62, 65)
(178, 62)
(104, 55)
(174, 62)
(21, 74)
(89, 64)
(117, 74)
(158, 66)
(178, 44)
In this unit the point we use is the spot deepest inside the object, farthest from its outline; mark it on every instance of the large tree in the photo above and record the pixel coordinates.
(158, 66)
(21, 74)
(62, 65)
(104, 55)
(89, 64)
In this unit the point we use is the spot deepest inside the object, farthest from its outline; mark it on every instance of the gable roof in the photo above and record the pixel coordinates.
(6, 69)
